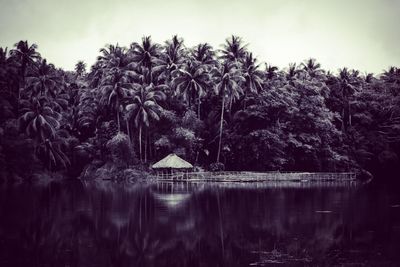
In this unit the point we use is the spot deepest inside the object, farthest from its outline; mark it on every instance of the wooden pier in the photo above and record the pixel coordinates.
(233, 176)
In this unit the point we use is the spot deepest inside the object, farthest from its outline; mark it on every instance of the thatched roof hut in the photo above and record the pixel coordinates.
(172, 162)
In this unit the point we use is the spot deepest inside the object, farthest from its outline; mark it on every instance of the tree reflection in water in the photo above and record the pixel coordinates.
(110, 224)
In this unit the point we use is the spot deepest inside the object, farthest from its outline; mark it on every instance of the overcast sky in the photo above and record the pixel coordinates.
(361, 34)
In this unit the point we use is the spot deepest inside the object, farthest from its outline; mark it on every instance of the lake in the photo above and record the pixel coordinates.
(104, 223)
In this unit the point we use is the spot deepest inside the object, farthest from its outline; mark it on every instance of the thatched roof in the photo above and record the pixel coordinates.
(172, 161)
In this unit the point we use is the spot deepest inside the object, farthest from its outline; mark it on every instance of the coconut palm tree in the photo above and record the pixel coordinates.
(234, 50)
(292, 72)
(26, 55)
(253, 76)
(369, 77)
(80, 68)
(346, 83)
(38, 119)
(51, 151)
(171, 59)
(312, 68)
(191, 82)
(4, 62)
(87, 110)
(226, 78)
(144, 108)
(8, 72)
(3, 55)
(270, 71)
(108, 53)
(114, 88)
(44, 80)
(145, 53)
(204, 54)
(391, 75)
(95, 74)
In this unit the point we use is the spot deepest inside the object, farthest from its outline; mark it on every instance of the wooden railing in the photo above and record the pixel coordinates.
(232, 176)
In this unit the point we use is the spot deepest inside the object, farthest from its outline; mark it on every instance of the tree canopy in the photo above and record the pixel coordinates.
(205, 104)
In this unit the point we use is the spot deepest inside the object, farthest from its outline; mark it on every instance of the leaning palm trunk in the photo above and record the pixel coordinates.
(244, 99)
(220, 127)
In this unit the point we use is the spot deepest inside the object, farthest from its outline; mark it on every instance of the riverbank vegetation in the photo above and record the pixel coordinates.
(212, 106)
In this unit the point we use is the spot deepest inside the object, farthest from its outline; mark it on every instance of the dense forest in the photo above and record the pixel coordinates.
(217, 108)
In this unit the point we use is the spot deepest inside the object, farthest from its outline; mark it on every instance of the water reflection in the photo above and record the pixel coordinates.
(102, 223)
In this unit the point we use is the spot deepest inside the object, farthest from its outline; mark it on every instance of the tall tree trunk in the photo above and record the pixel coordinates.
(221, 127)
(127, 130)
(244, 99)
(150, 148)
(343, 119)
(118, 122)
(349, 114)
(145, 146)
(21, 85)
(198, 109)
(140, 142)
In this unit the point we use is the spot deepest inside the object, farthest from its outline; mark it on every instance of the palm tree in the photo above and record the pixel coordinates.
(145, 53)
(8, 72)
(191, 81)
(145, 106)
(292, 72)
(44, 80)
(52, 153)
(39, 120)
(270, 71)
(95, 75)
(26, 55)
(347, 84)
(171, 59)
(87, 110)
(234, 50)
(114, 89)
(312, 68)
(226, 78)
(4, 62)
(204, 54)
(80, 68)
(3, 55)
(109, 53)
(253, 77)
(391, 75)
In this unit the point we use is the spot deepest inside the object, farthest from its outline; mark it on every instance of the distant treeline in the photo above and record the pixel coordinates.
(217, 108)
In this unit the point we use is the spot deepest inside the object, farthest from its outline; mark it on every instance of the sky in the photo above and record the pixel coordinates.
(359, 34)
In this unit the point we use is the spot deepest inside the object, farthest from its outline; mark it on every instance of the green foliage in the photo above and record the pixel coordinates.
(121, 150)
(17, 153)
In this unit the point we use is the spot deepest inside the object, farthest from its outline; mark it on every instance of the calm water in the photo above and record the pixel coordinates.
(111, 224)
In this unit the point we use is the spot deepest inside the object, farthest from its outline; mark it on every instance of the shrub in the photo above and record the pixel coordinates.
(121, 150)
(216, 166)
